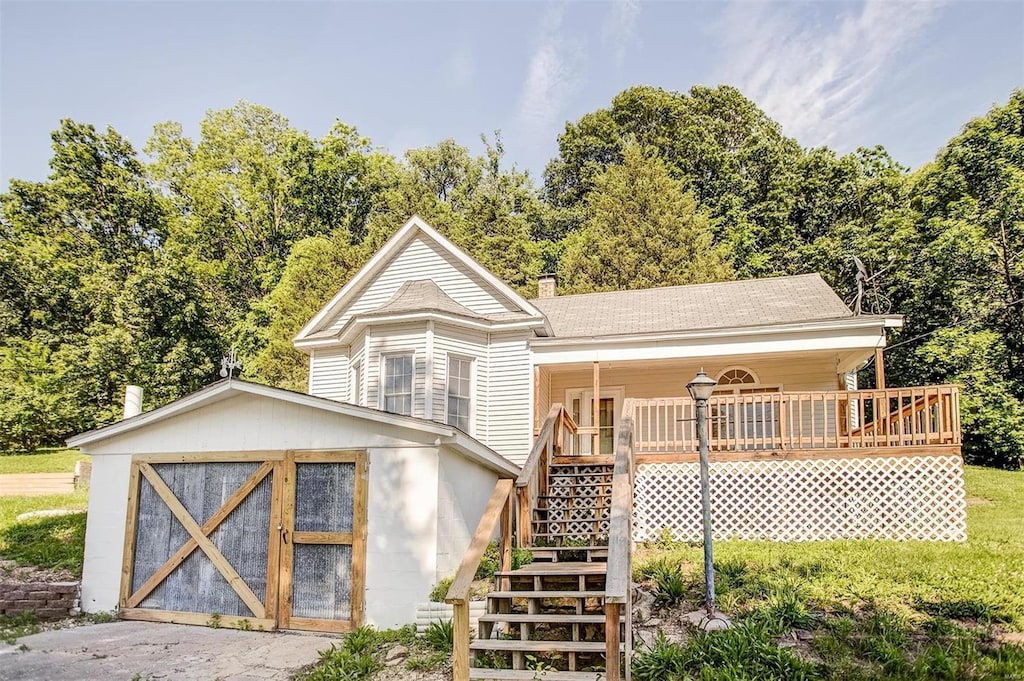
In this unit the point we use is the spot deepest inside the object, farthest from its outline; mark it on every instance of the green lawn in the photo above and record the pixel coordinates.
(878, 609)
(41, 461)
(57, 542)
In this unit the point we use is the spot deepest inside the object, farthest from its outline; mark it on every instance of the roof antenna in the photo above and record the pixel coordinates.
(229, 364)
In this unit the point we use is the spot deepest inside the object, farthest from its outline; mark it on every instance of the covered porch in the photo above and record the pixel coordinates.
(773, 405)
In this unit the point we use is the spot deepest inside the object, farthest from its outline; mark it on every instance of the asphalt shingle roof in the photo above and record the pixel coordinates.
(751, 302)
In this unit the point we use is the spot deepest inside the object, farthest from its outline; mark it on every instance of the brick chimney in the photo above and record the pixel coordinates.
(546, 286)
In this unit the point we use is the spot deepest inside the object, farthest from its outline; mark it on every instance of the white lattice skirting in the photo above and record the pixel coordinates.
(919, 497)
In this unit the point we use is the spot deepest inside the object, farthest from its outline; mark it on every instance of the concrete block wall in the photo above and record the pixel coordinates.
(46, 600)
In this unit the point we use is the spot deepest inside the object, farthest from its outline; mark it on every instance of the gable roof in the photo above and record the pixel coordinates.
(751, 302)
(318, 326)
(458, 440)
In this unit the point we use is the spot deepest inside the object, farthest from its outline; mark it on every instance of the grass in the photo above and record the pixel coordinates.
(57, 542)
(874, 609)
(361, 654)
(41, 461)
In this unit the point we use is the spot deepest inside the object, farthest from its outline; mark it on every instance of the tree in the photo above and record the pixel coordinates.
(644, 230)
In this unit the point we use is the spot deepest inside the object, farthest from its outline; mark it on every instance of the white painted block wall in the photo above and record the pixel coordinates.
(104, 532)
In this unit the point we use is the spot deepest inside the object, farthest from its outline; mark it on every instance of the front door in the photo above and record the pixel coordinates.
(323, 541)
(581, 403)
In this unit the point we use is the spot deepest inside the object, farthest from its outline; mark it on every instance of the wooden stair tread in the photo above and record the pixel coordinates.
(546, 594)
(542, 618)
(530, 675)
(556, 569)
(511, 645)
(591, 547)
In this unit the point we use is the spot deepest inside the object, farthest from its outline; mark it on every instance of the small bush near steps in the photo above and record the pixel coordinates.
(367, 653)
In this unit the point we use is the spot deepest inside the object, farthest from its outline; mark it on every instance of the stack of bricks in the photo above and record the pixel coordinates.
(46, 600)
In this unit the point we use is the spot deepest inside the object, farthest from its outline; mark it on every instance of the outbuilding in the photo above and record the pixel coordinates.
(251, 506)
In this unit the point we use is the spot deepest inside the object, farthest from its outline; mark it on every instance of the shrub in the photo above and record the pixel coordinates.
(438, 593)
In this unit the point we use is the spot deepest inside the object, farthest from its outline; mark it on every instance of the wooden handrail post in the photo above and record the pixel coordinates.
(506, 543)
(523, 526)
(460, 632)
(612, 642)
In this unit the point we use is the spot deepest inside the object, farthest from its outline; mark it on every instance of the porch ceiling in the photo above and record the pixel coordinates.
(843, 360)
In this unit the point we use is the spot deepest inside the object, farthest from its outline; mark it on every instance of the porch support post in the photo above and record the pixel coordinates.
(596, 416)
(879, 369)
(536, 401)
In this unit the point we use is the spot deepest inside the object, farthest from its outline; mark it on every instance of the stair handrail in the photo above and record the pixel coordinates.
(499, 507)
(558, 427)
(619, 580)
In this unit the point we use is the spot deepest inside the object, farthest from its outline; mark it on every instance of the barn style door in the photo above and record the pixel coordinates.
(199, 548)
(254, 540)
(323, 540)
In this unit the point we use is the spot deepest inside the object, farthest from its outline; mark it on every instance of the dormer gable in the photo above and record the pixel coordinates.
(419, 273)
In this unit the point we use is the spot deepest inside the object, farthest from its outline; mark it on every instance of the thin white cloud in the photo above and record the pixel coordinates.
(619, 31)
(460, 70)
(552, 77)
(817, 80)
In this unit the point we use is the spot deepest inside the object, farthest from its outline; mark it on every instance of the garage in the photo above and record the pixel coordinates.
(252, 507)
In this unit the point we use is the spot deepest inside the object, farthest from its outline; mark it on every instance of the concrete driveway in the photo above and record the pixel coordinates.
(148, 651)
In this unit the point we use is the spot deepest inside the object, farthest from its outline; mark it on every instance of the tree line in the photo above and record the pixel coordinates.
(127, 268)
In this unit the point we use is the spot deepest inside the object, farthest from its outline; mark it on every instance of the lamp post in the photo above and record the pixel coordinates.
(700, 389)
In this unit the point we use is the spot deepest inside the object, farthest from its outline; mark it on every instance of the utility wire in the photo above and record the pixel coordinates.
(949, 326)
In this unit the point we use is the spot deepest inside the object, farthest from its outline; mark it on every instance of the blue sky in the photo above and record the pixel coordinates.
(847, 74)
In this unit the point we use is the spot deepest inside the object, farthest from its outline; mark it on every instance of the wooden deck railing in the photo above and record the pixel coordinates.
(499, 507)
(554, 438)
(894, 417)
(618, 583)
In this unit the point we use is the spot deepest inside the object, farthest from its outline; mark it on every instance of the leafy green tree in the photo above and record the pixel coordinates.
(644, 230)
(488, 211)
(967, 281)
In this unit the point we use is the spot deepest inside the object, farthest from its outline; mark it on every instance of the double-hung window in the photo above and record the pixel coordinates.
(398, 384)
(460, 396)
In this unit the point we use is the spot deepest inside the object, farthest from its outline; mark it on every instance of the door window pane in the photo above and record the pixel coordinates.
(398, 384)
(606, 413)
(459, 392)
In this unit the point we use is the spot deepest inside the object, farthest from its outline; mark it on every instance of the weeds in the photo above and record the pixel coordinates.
(440, 635)
(670, 587)
(16, 626)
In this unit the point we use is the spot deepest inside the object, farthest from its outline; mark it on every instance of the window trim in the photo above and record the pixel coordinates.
(449, 356)
(355, 388)
(382, 389)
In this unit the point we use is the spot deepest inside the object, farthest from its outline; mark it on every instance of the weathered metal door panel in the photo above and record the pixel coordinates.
(199, 547)
(323, 535)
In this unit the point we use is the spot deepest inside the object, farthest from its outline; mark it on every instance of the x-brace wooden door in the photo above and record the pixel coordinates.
(201, 545)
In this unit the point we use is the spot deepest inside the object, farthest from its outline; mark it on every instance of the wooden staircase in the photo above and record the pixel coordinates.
(548, 616)
(570, 521)
(564, 616)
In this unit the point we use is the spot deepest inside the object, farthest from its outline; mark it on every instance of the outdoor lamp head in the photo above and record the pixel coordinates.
(701, 386)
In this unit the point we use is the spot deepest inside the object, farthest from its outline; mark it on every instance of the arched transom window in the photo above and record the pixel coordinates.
(736, 376)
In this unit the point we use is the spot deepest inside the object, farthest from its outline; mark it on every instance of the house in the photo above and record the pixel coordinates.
(433, 385)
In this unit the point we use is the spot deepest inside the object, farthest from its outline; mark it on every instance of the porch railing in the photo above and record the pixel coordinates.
(894, 417)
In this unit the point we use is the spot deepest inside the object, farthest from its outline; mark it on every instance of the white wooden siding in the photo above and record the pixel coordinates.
(422, 259)
(328, 373)
(509, 391)
(397, 340)
(450, 340)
